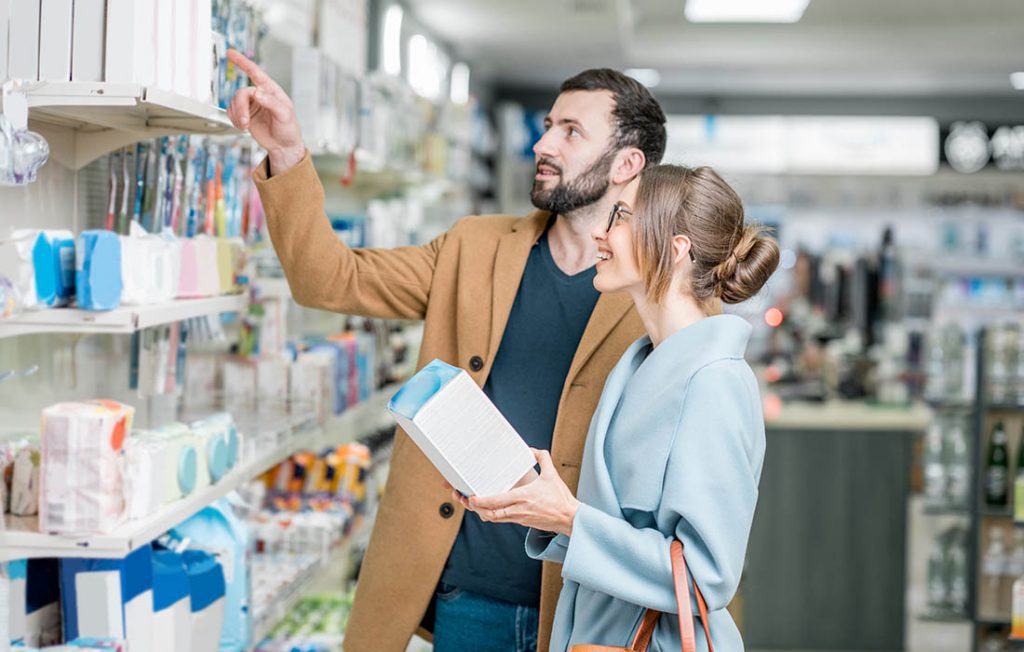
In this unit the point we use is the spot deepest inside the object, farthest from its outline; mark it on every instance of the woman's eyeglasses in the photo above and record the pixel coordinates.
(618, 210)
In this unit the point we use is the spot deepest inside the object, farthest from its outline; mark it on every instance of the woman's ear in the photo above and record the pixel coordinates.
(631, 163)
(681, 246)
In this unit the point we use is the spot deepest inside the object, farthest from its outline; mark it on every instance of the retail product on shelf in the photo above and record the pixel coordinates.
(997, 468)
(25, 481)
(315, 624)
(35, 617)
(82, 485)
(150, 267)
(1018, 483)
(206, 595)
(98, 280)
(172, 609)
(109, 597)
(946, 461)
(216, 529)
(947, 574)
(994, 565)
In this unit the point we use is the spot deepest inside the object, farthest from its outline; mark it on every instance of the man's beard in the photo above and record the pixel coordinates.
(587, 188)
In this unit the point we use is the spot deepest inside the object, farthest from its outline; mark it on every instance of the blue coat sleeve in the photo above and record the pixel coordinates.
(546, 546)
(708, 498)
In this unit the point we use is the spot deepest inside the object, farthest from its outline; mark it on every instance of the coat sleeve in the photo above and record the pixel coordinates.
(322, 271)
(546, 546)
(709, 493)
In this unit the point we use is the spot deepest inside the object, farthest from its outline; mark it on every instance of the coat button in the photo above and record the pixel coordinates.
(446, 510)
(476, 363)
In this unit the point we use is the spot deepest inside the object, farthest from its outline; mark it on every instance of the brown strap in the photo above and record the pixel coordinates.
(682, 582)
(687, 635)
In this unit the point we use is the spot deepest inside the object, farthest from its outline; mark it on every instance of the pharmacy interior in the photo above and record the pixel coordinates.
(193, 461)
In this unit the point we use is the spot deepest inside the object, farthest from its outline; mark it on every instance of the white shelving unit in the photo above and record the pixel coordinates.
(84, 120)
(123, 320)
(22, 540)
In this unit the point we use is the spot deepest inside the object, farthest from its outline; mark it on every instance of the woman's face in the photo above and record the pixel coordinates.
(617, 267)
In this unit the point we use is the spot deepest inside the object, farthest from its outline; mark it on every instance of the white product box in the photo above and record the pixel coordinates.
(88, 42)
(24, 40)
(165, 34)
(5, 22)
(184, 45)
(132, 29)
(55, 25)
(202, 53)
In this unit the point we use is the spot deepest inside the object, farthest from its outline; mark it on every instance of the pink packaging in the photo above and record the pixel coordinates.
(81, 475)
(188, 284)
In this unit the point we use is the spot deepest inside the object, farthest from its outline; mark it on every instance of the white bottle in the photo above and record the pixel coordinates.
(993, 567)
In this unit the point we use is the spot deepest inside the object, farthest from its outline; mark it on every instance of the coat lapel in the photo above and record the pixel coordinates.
(608, 312)
(509, 264)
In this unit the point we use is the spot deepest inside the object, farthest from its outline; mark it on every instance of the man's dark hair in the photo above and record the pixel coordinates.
(641, 122)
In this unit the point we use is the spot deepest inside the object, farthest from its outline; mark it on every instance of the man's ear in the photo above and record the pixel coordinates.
(631, 162)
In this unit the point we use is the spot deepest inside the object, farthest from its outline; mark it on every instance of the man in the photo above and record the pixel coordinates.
(511, 300)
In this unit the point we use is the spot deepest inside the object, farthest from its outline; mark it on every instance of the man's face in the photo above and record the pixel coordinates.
(575, 155)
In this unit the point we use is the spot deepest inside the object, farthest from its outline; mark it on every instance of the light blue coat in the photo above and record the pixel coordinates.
(675, 449)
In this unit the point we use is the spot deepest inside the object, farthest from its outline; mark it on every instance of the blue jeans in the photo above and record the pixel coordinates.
(470, 621)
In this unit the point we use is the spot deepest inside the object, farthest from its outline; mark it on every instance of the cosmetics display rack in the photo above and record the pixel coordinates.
(122, 320)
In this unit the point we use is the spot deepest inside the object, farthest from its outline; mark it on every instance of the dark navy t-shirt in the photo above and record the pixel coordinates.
(548, 318)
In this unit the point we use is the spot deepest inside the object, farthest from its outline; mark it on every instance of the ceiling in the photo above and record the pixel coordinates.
(914, 48)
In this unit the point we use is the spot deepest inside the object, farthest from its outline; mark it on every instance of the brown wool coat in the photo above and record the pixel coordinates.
(462, 284)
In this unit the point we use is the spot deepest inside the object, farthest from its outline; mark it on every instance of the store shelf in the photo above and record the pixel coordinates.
(995, 512)
(268, 287)
(950, 404)
(945, 510)
(1004, 407)
(84, 120)
(126, 319)
(22, 540)
(944, 618)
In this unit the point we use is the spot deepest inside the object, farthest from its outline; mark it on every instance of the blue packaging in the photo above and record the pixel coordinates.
(206, 586)
(109, 598)
(217, 530)
(98, 270)
(53, 260)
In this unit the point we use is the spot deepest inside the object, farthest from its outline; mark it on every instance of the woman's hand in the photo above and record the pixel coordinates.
(545, 504)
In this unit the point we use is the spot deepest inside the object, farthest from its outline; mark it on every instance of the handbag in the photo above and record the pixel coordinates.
(645, 632)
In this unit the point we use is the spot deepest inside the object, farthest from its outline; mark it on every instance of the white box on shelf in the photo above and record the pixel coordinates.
(55, 28)
(88, 40)
(165, 34)
(131, 34)
(23, 56)
(5, 23)
(202, 53)
(183, 43)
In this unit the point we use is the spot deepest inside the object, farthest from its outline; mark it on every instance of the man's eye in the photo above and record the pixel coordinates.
(573, 131)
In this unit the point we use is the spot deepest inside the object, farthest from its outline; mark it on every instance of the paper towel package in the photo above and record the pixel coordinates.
(206, 594)
(81, 478)
(109, 598)
(172, 617)
(25, 481)
(216, 529)
(53, 259)
(55, 28)
(463, 434)
(98, 270)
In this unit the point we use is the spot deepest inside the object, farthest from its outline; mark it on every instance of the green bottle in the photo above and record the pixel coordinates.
(997, 472)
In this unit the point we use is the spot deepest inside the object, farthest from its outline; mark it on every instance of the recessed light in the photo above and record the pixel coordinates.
(649, 77)
(745, 11)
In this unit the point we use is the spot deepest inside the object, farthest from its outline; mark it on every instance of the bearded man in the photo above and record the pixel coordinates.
(509, 299)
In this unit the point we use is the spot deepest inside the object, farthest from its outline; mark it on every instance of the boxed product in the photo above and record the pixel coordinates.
(150, 266)
(151, 466)
(172, 617)
(218, 530)
(206, 596)
(98, 270)
(81, 475)
(55, 29)
(109, 598)
(53, 259)
(131, 33)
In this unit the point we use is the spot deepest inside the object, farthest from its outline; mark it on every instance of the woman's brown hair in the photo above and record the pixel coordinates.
(731, 260)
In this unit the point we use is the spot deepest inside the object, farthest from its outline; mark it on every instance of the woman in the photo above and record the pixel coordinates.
(676, 445)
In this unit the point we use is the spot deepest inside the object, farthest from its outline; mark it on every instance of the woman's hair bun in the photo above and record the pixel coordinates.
(747, 268)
